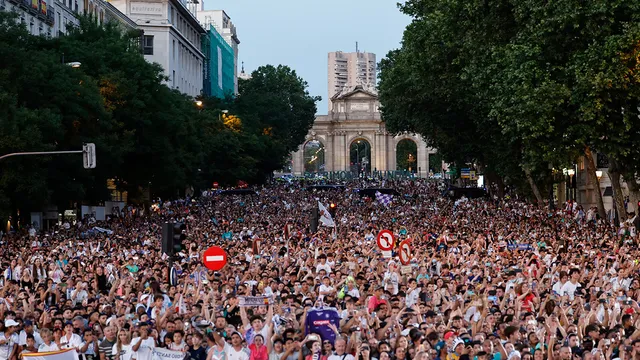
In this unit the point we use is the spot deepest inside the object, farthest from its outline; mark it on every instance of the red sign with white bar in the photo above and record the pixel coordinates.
(214, 258)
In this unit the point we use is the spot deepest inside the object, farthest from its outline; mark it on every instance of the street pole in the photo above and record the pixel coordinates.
(41, 153)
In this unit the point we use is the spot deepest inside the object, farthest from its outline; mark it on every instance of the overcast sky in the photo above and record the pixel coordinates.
(300, 33)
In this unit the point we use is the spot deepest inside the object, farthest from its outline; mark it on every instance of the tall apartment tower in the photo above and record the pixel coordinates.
(346, 70)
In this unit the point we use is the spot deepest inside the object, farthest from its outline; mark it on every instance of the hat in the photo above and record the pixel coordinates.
(449, 334)
(237, 333)
(10, 322)
(28, 323)
(457, 342)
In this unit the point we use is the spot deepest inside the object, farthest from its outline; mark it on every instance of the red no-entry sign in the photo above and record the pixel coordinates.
(214, 258)
(385, 240)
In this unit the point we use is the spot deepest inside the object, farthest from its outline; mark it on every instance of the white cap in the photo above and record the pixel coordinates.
(10, 322)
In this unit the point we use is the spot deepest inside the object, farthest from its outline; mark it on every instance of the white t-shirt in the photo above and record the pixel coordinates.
(74, 342)
(5, 350)
(145, 351)
(232, 354)
(125, 354)
(341, 357)
(569, 289)
(324, 288)
(557, 287)
(324, 267)
(46, 348)
(23, 338)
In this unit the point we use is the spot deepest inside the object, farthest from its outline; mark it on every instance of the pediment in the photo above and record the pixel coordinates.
(358, 92)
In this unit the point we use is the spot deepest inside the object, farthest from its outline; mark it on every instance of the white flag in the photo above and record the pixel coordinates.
(325, 216)
(68, 354)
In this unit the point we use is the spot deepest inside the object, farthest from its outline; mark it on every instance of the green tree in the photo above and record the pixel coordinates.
(276, 107)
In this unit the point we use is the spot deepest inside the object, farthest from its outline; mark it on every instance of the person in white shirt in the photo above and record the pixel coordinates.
(570, 287)
(89, 350)
(323, 264)
(47, 341)
(325, 289)
(143, 345)
(29, 329)
(122, 349)
(413, 293)
(70, 340)
(235, 350)
(341, 351)
(557, 287)
(9, 340)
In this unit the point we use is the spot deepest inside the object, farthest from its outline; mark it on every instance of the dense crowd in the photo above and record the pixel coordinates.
(490, 279)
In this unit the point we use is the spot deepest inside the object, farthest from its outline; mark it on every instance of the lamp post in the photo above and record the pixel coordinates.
(358, 156)
(571, 174)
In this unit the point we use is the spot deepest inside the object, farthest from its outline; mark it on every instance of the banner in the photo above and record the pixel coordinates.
(254, 300)
(325, 216)
(67, 354)
(164, 354)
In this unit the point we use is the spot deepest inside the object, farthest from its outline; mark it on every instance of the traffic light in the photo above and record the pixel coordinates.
(332, 210)
(315, 219)
(172, 237)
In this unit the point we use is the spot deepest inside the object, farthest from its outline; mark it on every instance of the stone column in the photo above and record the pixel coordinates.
(298, 161)
(328, 152)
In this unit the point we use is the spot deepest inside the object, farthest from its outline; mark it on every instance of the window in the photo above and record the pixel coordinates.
(147, 45)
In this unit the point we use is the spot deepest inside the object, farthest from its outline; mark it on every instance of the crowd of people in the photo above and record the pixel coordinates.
(489, 279)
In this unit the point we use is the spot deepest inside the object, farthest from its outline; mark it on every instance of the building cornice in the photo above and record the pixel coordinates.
(178, 33)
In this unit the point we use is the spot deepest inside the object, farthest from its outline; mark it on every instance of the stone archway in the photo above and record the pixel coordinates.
(313, 152)
(360, 156)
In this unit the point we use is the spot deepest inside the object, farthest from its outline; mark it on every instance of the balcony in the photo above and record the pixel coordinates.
(51, 12)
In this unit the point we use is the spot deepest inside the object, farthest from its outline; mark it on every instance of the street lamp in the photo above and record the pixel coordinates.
(598, 174)
(572, 191)
(198, 103)
(222, 112)
(74, 64)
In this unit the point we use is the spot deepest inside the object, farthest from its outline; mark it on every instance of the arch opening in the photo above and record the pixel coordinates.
(314, 156)
(407, 156)
(360, 157)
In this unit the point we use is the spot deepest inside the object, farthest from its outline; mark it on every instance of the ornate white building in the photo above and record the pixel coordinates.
(354, 138)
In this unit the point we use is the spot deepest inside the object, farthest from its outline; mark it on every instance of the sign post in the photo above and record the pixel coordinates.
(214, 258)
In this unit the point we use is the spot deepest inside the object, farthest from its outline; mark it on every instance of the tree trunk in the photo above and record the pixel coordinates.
(534, 187)
(592, 178)
(614, 175)
(634, 193)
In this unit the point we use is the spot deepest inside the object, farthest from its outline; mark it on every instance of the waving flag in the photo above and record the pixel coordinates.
(384, 199)
(325, 216)
(68, 354)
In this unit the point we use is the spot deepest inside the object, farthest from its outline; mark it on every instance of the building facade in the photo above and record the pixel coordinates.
(52, 18)
(172, 38)
(353, 139)
(347, 70)
(224, 32)
(220, 64)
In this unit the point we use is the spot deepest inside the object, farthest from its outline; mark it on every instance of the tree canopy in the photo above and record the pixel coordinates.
(517, 87)
(147, 135)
